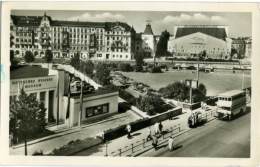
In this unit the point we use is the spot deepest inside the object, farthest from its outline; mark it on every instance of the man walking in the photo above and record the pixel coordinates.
(156, 128)
(155, 142)
(128, 129)
(160, 126)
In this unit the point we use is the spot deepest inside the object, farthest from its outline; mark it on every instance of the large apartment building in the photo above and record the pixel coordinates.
(93, 40)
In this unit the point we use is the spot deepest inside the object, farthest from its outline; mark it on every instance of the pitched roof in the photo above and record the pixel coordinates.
(216, 32)
(77, 23)
(148, 30)
(36, 20)
(26, 20)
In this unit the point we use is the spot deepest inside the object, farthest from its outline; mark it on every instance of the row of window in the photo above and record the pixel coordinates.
(119, 56)
(77, 29)
(117, 50)
(23, 40)
(26, 46)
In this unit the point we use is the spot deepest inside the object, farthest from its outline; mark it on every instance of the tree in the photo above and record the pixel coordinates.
(233, 53)
(202, 55)
(199, 94)
(180, 91)
(27, 117)
(13, 60)
(87, 67)
(177, 90)
(48, 56)
(36, 53)
(125, 67)
(162, 45)
(29, 57)
(75, 61)
(139, 61)
(202, 89)
(150, 104)
(102, 74)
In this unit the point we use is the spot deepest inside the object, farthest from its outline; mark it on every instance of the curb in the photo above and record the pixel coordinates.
(73, 130)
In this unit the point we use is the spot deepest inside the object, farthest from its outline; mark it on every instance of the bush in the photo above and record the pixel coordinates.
(151, 104)
(103, 74)
(156, 70)
(123, 107)
(180, 91)
(38, 153)
(127, 96)
(29, 57)
(125, 67)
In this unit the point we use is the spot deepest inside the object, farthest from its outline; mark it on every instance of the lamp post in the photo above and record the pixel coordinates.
(243, 75)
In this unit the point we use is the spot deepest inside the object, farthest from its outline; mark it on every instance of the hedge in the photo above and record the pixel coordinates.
(139, 124)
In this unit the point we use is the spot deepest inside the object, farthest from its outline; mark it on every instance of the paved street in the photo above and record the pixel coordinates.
(215, 139)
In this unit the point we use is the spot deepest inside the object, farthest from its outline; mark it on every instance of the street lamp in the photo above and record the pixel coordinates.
(243, 74)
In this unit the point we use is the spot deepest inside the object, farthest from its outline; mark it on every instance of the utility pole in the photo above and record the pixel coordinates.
(58, 102)
(81, 103)
(190, 93)
(198, 73)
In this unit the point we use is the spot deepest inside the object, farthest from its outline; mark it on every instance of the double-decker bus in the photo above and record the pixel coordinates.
(230, 104)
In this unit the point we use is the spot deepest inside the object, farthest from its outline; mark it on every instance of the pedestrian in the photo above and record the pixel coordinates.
(156, 128)
(149, 135)
(160, 126)
(128, 129)
(171, 143)
(155, 142)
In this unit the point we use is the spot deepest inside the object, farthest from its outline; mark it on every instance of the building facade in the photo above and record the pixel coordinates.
(94, 40)
(148, 41)
(40, 83)
(51, 86)
(192, 41)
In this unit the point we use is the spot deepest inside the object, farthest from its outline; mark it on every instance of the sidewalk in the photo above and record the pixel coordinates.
(48, 143)
(114, 147)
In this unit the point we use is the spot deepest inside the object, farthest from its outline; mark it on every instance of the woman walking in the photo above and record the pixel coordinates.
(171, 143)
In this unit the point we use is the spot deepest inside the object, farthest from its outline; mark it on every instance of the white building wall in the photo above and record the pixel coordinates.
(111, 98)
(148, 44)
(195, 43)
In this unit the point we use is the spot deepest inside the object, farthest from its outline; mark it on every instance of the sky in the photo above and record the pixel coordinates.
(240, 24)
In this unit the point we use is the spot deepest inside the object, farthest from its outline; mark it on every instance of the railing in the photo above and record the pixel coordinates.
(144, 144)
(209, 114)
